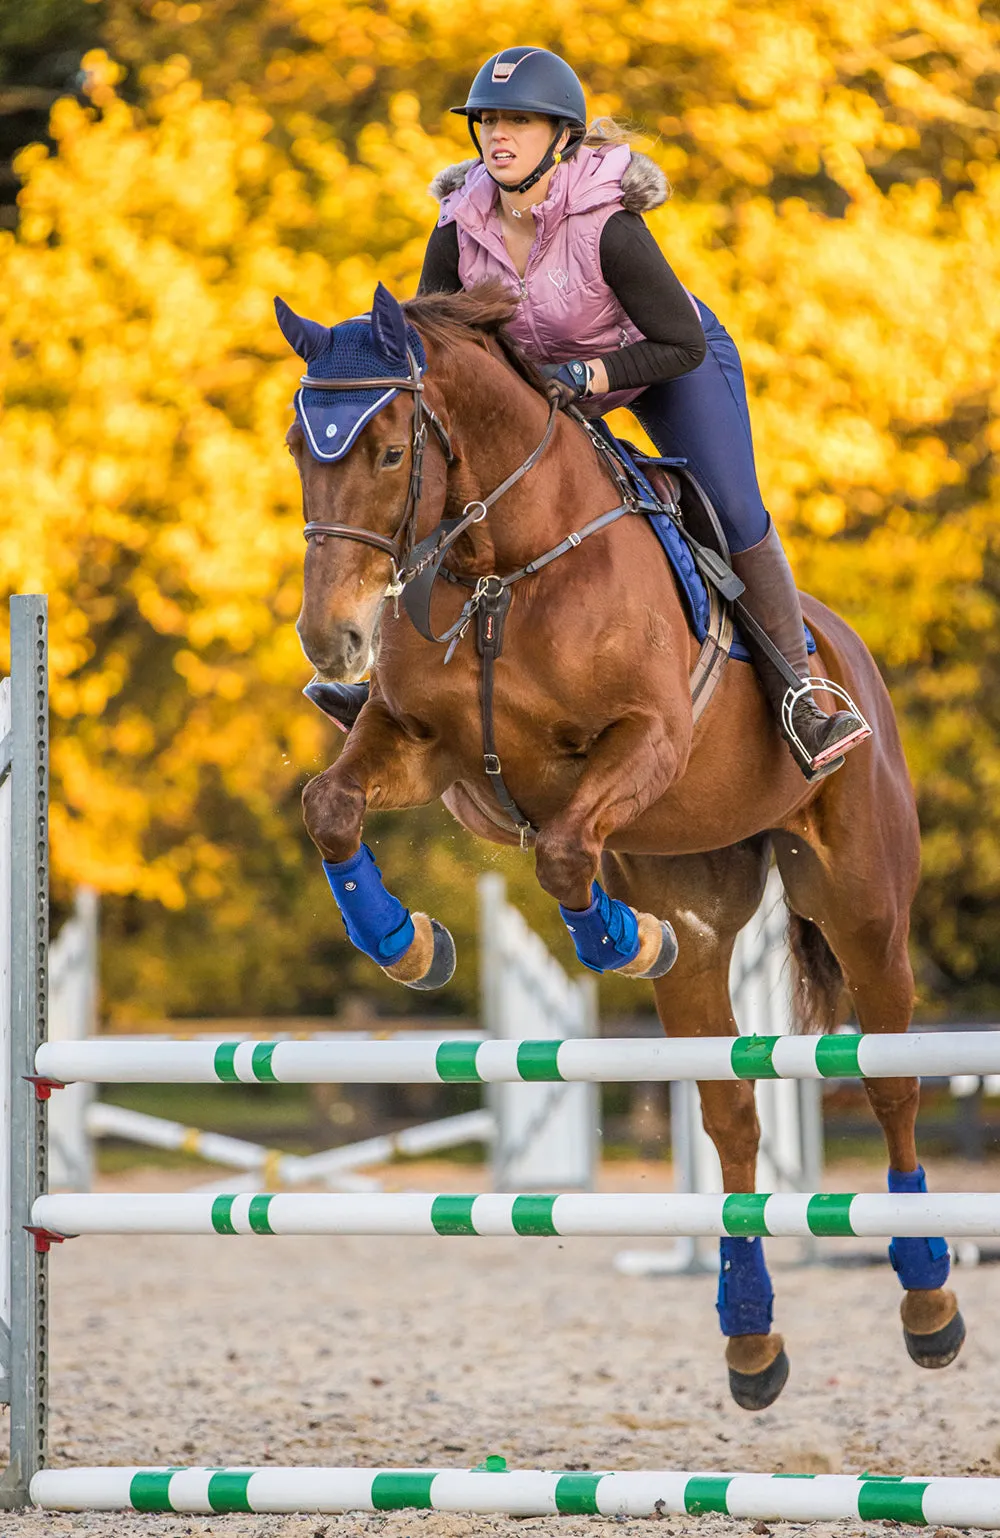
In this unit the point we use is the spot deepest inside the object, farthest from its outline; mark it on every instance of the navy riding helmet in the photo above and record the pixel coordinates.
(529, 80)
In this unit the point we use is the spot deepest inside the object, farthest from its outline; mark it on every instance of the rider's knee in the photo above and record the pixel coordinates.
(745, 523)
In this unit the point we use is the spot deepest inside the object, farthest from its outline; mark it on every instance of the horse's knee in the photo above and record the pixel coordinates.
(333, 812)
(565, 866)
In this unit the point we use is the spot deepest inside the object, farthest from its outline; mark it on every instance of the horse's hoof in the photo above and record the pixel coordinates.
(667, 953)
(657, 949)
(939, 1347)
(442, 967)
(429, 959)
(756, 1390)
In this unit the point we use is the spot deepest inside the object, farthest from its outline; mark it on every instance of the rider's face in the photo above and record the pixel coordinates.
(514, 142)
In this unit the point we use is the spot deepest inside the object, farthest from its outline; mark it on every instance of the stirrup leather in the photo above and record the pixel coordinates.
(827, 686)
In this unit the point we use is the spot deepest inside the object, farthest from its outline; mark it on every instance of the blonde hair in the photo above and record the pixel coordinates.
(607, 130)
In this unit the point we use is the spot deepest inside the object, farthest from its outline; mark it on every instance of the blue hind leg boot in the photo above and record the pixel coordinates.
(746, 1298)
(933, 1327)
(376, 922)
(919, 1263)
(606, 934)
(757, 1362)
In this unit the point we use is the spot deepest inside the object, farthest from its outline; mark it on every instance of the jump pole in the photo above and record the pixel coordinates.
(523, 1493)
(785, 1214)
(107, 1061)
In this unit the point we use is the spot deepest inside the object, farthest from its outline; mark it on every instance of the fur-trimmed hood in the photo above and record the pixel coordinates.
(644, 185)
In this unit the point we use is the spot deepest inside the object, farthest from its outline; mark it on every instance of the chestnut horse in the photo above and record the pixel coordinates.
(597, 738)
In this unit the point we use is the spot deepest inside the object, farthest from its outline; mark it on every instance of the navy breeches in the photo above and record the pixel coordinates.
(703, 417)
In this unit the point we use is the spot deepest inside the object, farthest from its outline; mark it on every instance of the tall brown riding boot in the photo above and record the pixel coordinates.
(818, 742)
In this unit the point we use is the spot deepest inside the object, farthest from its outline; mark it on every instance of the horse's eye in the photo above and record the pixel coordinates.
(393, 458)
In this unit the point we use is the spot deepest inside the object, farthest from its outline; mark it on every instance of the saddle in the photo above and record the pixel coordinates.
(684, 520)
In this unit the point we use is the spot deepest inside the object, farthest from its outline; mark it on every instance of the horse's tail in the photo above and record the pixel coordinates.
(817, 981)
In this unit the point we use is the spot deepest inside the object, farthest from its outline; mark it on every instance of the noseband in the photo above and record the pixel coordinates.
(400, 547)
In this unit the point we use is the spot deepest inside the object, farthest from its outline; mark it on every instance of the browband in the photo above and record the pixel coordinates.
(310, 383)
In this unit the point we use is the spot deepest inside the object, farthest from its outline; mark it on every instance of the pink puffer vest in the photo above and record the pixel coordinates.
(566, 310)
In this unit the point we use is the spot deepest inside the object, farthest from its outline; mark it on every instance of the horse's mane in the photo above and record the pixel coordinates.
(486, 308)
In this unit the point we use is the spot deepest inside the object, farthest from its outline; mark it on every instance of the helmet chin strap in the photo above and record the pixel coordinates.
(552, 157)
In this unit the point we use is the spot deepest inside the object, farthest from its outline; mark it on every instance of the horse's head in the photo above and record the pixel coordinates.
(354, 448)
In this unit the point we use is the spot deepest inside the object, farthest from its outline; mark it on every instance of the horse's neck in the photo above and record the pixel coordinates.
(497, 422)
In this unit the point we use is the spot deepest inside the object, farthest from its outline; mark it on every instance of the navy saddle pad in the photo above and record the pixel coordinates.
(689, 579)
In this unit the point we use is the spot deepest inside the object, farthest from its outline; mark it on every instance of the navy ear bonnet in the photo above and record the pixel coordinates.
(367, 347)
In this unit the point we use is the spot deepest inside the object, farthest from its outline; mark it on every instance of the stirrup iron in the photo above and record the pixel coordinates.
(836, 750)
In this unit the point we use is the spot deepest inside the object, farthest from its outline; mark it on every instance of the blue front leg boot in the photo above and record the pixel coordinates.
(376, 922)
(608, 936)
(416, 951)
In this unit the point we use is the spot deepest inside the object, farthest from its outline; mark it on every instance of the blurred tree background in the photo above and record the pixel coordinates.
(165, 168)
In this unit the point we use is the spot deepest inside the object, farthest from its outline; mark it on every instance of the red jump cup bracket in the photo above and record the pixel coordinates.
(43, 1086)
(44, 1238)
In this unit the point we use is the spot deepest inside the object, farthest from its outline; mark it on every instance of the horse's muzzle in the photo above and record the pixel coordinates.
(341, 654)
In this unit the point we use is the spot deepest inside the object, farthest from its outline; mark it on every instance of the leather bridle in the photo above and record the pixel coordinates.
(399, 547)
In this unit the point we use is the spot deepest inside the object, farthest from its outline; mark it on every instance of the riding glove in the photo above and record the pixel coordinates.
(568, 382)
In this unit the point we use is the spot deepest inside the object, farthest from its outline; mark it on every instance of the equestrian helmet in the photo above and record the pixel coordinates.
(531, 80)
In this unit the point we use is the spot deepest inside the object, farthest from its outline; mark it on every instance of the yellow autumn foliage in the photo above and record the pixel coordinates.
(837, 202)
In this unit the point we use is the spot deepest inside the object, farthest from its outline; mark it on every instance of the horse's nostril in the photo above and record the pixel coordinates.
(354, 643)
(334, 650)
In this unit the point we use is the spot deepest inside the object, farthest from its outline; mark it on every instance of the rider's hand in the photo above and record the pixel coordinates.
(567, 382)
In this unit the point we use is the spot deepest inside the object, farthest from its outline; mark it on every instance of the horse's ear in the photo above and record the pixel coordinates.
(389, 326)
(306, 337)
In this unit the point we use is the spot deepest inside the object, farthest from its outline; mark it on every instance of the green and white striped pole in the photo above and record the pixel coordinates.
(770, 1497)
(107, 1061)
(794, 1214)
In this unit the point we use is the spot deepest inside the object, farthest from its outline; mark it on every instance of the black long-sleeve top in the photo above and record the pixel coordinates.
(643, 282)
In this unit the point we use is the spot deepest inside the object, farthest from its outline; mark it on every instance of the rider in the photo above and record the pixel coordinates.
(555, 212)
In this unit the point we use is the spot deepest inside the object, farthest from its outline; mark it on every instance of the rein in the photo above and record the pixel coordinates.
(415, 568)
